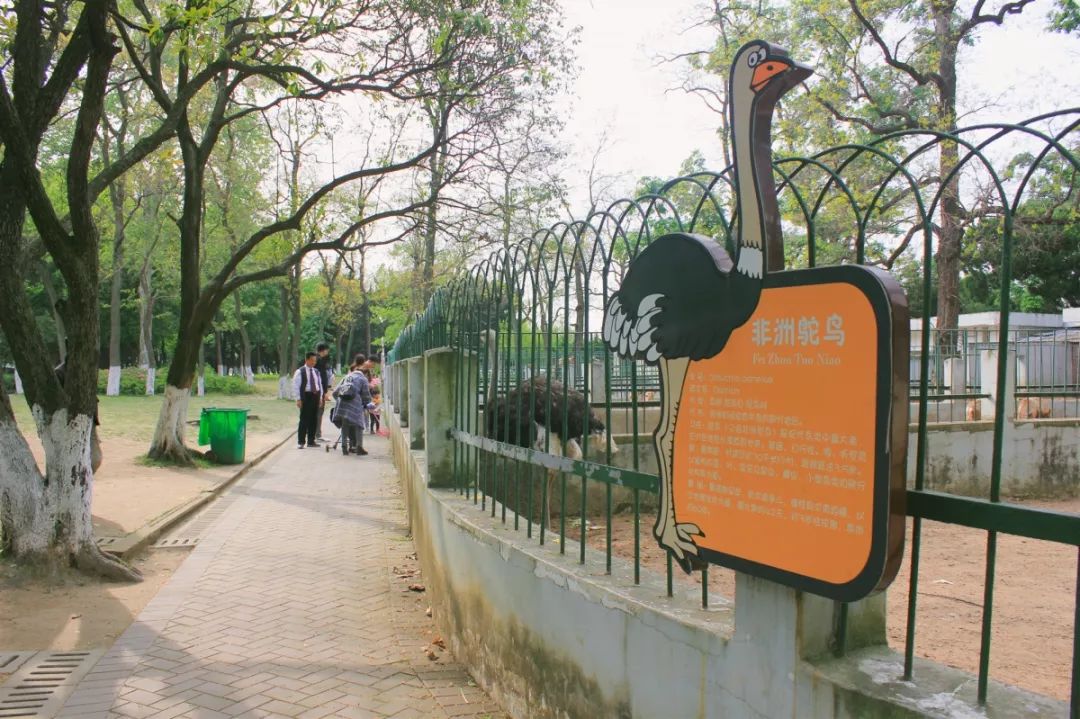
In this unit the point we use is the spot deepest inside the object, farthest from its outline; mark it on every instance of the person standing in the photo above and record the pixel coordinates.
(308, 388)
(374, 412)
(354, 399)
(326, 374)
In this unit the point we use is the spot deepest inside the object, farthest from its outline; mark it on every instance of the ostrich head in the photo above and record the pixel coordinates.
(766, 70)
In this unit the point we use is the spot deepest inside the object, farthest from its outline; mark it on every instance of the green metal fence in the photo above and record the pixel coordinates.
(533, 311)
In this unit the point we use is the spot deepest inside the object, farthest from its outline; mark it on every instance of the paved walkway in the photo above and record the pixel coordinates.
(291, 605)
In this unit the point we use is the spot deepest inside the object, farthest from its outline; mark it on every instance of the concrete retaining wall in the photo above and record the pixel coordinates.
(1040, 458)
(548, 637)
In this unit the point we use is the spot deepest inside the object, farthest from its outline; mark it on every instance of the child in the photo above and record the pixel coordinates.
(373, 414)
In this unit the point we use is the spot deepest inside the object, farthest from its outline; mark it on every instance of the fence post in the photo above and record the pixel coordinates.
(440, 376)
(597, 386)
(777, 626)
(403, 392)
(416, 402)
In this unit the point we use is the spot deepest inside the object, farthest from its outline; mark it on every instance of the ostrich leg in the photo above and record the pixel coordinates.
(677, 538)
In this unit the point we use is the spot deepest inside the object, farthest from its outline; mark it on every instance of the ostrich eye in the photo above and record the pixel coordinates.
(756, 57)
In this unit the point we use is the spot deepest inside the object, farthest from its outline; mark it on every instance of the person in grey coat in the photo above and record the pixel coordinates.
(353, 400)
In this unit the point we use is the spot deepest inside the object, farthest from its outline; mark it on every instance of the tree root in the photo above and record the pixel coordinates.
(91, 560)
(177, 454)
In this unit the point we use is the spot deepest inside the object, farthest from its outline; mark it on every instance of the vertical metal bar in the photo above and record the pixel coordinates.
(670, 575)
(637, 497)
(841, 629)
(988, 613)
(505, 464)
(995, 467)
(637, 536)
(607, 514)
(517, 383)
(913, 587)
(920, 452)
(562, 513)
(586, 366)
(1074, 703)
(705, 587)
(607, 423)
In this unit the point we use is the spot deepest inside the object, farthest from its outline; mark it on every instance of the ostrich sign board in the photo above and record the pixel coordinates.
(783, 429)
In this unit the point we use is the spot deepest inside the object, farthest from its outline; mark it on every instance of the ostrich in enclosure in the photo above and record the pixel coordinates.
(539, 408)
(524, 415)
(683, 296)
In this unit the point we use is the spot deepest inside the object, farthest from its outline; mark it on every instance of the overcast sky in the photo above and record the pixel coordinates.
(1012, 73)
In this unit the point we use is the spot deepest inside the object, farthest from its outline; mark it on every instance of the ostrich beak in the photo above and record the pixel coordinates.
(774, 67)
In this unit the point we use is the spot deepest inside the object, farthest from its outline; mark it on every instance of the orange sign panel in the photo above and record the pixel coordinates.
(781, 442)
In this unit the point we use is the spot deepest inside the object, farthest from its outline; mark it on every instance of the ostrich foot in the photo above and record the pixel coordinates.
(678, 539)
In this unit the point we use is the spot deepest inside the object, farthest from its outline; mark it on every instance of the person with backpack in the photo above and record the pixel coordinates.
(354, 399)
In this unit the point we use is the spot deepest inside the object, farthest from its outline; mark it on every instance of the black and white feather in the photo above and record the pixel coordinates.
(527, 412)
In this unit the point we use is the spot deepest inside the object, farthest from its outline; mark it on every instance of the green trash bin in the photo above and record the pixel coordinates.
(225, 430)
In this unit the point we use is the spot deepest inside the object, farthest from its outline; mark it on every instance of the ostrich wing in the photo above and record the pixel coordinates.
(669, 300)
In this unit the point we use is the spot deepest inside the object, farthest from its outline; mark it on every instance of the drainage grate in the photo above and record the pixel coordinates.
(105, 541)
(43, 681)
(176, 543)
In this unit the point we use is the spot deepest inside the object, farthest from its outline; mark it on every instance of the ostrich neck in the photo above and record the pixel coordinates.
(755, 190)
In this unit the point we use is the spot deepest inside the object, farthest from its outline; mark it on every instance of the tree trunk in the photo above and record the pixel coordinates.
(365, 305)
(168, 442)
(146, 326)
(218, 340)
(245, 342)
(438, 168)
(112, 388)
(284, 359)
(45, 520)
(117, 191)
(297, 321)
(951, 232)
(58, 320)
(169, 434)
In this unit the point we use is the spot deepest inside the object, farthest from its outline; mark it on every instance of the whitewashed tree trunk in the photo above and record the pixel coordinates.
(146, 325)
(169, 434)
(285, 387)
(24, 530)
(202, 386)
(112, 389)
(47, 519)
(18, 383)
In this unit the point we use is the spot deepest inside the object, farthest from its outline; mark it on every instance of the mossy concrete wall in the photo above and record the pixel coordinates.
(548, 637)
(1039, 458)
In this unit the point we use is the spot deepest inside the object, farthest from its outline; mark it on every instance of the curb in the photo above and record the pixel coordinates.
(146, 535)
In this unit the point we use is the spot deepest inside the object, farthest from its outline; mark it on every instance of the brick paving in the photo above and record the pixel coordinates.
(293, 604)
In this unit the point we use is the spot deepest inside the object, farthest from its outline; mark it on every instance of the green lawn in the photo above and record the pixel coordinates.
(136, 417)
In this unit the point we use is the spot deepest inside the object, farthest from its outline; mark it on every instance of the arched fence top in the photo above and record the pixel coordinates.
(884, 193)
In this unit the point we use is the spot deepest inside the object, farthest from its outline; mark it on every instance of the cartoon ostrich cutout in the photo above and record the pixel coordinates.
(683, 296)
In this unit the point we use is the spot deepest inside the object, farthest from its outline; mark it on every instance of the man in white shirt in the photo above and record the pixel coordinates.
(308, 389)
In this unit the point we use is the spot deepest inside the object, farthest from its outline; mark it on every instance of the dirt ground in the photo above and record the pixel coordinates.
(1034, 598)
